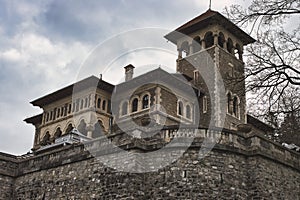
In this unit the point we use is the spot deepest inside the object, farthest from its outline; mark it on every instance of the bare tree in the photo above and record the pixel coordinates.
(273, 62)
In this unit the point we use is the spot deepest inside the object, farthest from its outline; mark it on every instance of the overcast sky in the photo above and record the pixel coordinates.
(44, 43)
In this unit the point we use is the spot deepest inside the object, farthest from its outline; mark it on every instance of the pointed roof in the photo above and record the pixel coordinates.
(206, 19)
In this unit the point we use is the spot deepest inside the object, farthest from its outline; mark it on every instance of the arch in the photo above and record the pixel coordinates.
(57, 133)
(196, 44)
(124, 108)
(134, 105)
(180, 108)
(221, 40)
(209, 39)
(188, 112)
(82, 127)
(229, 45)
(104, 105)
(185, 48)
(145, 101)
(46, 139)
(69, 128)
(98, 129)
(98, 102)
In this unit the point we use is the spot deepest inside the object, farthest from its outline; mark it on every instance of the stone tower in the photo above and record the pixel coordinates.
(210, 51)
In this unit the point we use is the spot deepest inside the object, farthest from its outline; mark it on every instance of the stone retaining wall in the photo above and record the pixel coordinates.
(240, 166)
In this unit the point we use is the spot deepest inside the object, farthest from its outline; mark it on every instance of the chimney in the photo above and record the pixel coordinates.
(128, 72)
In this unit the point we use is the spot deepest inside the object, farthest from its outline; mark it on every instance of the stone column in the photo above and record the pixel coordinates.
(216, 38)
(93, 100)
(203, 44)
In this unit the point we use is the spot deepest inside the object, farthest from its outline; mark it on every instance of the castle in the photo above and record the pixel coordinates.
(96, 140)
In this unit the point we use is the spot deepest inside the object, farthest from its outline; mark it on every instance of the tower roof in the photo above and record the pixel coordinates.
(205, 19)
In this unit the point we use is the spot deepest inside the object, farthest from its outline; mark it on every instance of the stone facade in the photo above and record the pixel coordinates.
(240, 166)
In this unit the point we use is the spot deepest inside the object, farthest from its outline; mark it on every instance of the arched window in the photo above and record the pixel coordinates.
(235, 106)
(229, 103)
(180, 108)
(69, 128)
(221, 40)
(103, 105)
(124, 108)
(188, 112)
(82, 127)
(98, 103)
(57, 133)
(209, 39)
(47, 117)
(196, 44)
(185, 48)
(134, 105)
(230, 45)
(98, 129)
(46, 139)
(145, 101)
